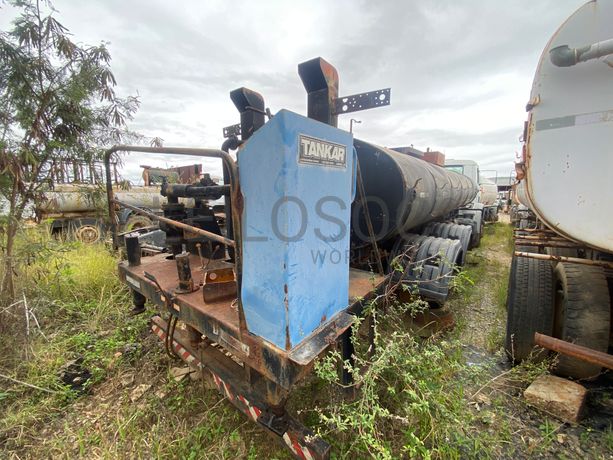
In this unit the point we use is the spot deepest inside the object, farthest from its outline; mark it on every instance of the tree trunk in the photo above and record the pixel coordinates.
(8, 285)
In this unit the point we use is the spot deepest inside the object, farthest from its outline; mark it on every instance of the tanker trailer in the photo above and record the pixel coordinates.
(520, 214)
(483, 207)
(560, 289)
(403, 194)
(78, 208)
(264, 297)
(488, 196)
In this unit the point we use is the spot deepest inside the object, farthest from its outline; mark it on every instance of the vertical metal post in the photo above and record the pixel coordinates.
(132, 250)
(138, 302)
(186, 282)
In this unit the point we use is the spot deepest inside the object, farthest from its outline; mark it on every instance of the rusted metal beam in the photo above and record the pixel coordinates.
(572, 260)
(181, 225)
(543, 237)
(575, 351)
(534, 230)
(550, 243)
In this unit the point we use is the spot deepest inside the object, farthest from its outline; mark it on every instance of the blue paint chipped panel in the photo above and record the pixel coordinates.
(298, 180)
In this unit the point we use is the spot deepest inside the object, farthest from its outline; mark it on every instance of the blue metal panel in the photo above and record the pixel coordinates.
(298, 187)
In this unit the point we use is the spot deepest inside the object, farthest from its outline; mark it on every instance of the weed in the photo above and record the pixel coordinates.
(409, 398)
(413, 398)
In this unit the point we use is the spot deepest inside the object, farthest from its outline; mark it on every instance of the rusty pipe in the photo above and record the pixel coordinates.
(177, 224)
(208, 153)
(543, 237)
(572, 260)
(574, 351)
(550, 243)
(534, 230)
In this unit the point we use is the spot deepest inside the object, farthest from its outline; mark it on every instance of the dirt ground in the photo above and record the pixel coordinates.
(481, 316)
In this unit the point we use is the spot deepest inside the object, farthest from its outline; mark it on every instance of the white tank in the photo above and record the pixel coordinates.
(519, 194)
(488, 191)
(569, 138)
(87, 198)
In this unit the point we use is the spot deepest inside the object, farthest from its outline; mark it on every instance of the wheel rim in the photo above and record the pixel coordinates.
(88, 234)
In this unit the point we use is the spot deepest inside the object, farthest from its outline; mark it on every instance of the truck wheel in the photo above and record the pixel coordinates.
(529, 306)
(478, 235)
(88, 233)
(135, 222)
(582, 315)
(522, 248)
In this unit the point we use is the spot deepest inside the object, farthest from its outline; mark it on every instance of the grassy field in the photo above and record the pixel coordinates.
(450, 396)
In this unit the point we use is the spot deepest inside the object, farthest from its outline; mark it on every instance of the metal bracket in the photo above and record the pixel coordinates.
(276, 424)
(362, 101)
(232, 130)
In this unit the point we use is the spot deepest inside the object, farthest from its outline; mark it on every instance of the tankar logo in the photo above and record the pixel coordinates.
(316, 151)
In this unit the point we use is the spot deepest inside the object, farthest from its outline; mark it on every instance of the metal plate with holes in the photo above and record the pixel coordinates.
(362, 101)
(232, 130)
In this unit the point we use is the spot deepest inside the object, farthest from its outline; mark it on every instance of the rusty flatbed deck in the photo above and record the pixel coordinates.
(219, 320)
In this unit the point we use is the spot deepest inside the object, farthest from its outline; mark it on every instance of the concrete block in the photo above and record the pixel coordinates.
(557, 396)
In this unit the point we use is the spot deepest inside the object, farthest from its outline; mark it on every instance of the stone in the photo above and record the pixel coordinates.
(179, 373)
(139, 391)
(557, 396)
(127, 380)
(195, 374)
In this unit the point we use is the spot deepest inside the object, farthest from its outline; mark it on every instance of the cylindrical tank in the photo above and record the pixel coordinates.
(488, 191)
(74, 198)
(569, 136)
(404, 192)
(519, 194)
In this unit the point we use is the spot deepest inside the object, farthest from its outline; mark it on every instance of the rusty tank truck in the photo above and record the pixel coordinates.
(313, 220)
(74, 203)
(561, 275)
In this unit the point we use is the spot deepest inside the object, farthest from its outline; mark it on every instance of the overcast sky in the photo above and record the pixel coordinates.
(460, 71)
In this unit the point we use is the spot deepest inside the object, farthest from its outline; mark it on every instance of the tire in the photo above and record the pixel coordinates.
(522, 248)
(583, 315)
(564, 252)
(477, 240)
(529, 306)
(135, 221)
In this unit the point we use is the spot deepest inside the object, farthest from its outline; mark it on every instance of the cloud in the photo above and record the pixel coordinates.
(460, 71)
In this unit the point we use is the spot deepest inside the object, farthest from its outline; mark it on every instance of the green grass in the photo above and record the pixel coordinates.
(74, 292)
(416, 399)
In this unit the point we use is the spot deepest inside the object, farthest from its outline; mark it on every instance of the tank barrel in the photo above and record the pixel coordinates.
(403, 192)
